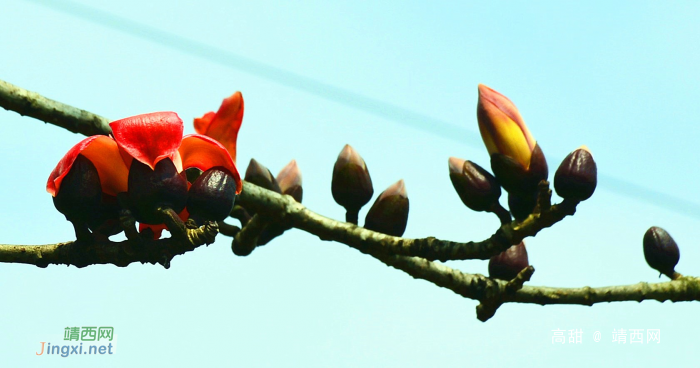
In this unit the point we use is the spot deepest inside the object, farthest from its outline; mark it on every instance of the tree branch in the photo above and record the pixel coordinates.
(32, 104)
(367, 241)
(96, 251)
(412, 256)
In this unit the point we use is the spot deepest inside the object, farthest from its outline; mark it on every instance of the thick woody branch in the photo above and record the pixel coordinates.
(493, 293)
(368, 241)
(100, 251)
(32, 104)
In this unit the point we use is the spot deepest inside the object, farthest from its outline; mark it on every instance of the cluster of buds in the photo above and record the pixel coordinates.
(352, 188)
(518, 164)
(288, 182)
(143, 164)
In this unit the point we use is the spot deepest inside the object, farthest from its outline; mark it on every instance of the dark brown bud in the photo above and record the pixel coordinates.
(509, 263)
(289, 180)
(351, 184)
(259, 175)
(515, 178)
(577, 176)
(661, 251)
(476, 187)
(151, 189)
(522, 206)
(212, 195)
(389, 213)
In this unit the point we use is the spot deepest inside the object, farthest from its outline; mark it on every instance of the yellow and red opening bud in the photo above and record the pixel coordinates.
(502, 128)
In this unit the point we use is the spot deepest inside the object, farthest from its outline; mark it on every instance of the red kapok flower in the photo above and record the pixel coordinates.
(224, 124)
(149, 139)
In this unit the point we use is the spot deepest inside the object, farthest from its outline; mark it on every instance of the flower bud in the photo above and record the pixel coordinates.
(212, 195)
(661, 251)
(389, 213)
(502, 128)
(509, 263)
(80, 195)
(476, 187)
(577, 176)
(351, 184)
(261, 176)
(516, 159)
(522, 206)
(289, 180)
(515, 178)
(151, 189)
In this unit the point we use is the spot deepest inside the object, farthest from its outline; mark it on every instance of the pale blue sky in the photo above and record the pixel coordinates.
(620, 77)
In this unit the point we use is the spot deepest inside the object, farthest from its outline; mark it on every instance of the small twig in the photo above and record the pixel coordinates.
(352, 216)
(489, 305)
(247, 239)
(544, 197)
(227, 229)
(174, 223)
(502, 213)
(240, 214)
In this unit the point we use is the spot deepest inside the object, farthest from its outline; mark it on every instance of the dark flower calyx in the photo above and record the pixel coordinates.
(151, 189)
(212, 195)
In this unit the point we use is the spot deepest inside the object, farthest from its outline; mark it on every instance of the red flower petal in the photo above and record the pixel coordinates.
(201, 125)
(149, 138)
(224, 125)
(103, 152)
(204, 153)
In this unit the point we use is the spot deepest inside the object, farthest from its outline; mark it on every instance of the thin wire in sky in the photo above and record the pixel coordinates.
(337, 94)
